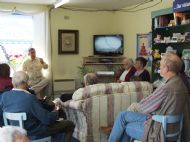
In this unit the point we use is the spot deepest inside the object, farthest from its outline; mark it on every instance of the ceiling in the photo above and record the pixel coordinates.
(96, 4)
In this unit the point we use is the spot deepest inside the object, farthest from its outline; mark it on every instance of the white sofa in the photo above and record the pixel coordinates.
(97, 105)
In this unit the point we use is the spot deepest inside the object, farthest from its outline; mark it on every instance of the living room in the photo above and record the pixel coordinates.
(63, 67)
(88, 24)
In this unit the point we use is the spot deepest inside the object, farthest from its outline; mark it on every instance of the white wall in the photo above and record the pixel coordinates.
(88, 24)
(130, 24)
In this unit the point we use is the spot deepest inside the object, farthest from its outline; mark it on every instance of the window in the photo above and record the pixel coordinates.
(16, 36)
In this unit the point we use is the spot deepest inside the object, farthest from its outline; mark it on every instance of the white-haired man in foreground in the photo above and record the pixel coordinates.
(40, 122)
(13, 134)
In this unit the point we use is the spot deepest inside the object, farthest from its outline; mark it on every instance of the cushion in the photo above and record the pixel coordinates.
(88, 91)
(97, 89)
(137, 86)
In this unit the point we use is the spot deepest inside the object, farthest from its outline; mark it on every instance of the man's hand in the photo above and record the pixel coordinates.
(61, 113)
(41, 61)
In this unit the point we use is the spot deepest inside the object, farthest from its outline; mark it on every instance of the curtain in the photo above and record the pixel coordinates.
(42, 43)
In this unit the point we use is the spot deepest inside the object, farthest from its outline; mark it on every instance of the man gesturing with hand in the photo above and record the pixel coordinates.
(33, 67)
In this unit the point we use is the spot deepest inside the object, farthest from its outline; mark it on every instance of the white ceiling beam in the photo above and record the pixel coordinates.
(59, 3)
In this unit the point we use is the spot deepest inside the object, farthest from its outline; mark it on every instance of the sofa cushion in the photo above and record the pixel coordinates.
(137, 86)
(112, 88)
(97, 89)
(73, 104)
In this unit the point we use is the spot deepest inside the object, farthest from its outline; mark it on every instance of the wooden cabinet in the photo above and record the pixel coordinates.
(104, 66)
(103, 60)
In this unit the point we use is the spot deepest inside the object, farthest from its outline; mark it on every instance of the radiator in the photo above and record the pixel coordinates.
(63, 85)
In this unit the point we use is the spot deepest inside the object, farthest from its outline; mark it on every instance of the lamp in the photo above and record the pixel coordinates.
(59, 3)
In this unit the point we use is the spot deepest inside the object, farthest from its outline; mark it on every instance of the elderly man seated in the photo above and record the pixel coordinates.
(40, 122)
(88, 79)
(168, 99)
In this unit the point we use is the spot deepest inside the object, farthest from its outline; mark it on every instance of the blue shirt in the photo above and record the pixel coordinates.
(37, 117)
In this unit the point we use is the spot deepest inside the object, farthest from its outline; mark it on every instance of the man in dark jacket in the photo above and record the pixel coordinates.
(40, 122)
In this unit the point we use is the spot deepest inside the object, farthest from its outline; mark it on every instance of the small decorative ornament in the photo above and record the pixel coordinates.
(170, 49)
(183, 22)
(157, 39)
(156, 54)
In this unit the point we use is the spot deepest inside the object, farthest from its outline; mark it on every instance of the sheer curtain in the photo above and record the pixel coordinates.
(41, 34)
(42, 42)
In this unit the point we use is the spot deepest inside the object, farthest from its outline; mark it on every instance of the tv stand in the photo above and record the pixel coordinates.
(103, 60)
(104, 66)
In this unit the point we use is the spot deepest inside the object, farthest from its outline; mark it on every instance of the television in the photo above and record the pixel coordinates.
(109, 45)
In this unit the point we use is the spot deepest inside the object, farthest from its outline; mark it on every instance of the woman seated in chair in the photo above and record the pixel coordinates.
(5, 79)
(128, 70)
(141, 73)
(6, 85)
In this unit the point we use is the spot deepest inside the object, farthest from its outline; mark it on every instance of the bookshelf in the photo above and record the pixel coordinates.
(170, 31)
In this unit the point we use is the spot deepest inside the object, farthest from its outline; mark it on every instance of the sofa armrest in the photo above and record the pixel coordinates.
(78, 117)
(92, 113)
(74, 104)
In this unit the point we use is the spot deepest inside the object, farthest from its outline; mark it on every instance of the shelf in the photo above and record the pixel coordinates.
(104, 57)
(163, 20)
(103, 60)
(102, 64)
(172, 27)
(187, 42)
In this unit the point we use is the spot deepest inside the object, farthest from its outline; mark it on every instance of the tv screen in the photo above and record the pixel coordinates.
(108, 44)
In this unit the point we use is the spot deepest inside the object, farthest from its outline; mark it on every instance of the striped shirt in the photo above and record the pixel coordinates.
(151, 103)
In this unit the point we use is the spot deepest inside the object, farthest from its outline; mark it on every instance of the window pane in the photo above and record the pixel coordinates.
(16, 36)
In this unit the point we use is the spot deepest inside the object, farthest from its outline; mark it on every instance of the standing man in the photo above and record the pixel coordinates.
(33, 67)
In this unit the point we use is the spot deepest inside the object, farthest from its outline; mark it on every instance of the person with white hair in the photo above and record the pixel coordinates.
(168, 99)
(90, 79)
(13, 134)
(127, 72)
(40, 122)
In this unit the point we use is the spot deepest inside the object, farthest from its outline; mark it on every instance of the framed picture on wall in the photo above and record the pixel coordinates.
(68, 41)
(144, 46)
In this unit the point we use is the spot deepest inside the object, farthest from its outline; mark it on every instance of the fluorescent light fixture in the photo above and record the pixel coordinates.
(59, 3)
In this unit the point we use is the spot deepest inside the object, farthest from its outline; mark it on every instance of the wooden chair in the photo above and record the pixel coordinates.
(168, 119)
